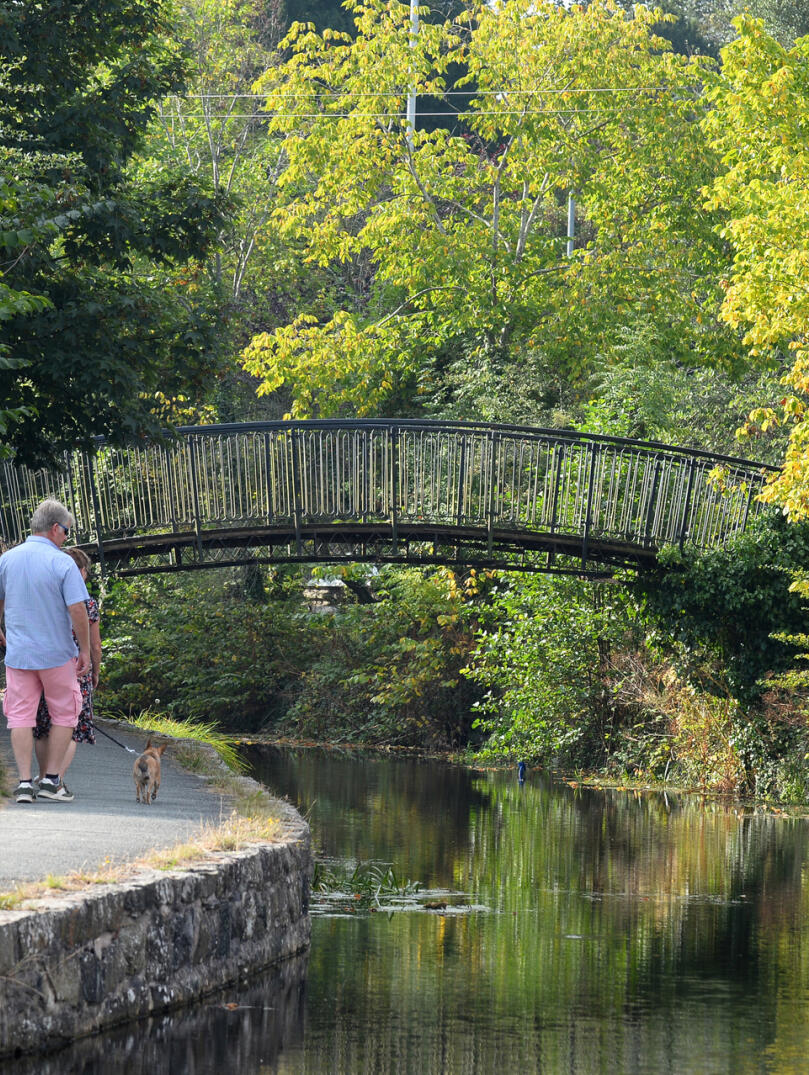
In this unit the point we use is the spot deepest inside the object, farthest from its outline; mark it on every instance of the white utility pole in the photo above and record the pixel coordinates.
(571, 223)
(411, 97)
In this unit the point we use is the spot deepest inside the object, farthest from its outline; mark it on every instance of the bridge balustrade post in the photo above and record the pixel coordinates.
(14, 529)
(176, 555)
(491, 482)
(91, 466)
(558, 462)
(67, 493)
(559, 451)
(394, 491)
(461, 482)
(747, 505)
(192, 445)
(365, 479)
(7, 524)
(588, 514)
(460, 504)
(647, 529)
(296, 488)
(684, 520)
(268, 476)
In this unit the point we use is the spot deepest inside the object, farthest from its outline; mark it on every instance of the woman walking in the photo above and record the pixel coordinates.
(85, 728)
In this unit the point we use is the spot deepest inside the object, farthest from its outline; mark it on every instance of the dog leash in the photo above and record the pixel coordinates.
(112, 737)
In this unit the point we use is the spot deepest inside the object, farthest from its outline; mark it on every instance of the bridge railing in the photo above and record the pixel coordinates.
(398, 474)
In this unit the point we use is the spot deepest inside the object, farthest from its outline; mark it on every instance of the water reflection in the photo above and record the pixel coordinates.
(625, 932)
(622, 933)
(367, 807)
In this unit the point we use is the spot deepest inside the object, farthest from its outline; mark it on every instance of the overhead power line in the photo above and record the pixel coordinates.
(327, 96)
(538, 90)
(470, 114)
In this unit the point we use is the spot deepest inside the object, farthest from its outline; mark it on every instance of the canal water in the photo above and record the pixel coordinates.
(539, 927)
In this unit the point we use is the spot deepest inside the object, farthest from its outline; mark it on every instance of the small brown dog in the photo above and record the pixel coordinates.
(146, 773)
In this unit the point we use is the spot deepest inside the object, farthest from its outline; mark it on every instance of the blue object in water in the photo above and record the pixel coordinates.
(521, 772)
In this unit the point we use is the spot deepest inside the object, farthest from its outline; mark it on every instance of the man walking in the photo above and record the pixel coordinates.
(43, 596)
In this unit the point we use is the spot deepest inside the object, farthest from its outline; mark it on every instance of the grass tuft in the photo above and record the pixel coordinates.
(157, 723)
(10, 901)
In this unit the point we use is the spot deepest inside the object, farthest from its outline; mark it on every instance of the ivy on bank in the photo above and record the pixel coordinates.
(726, 607)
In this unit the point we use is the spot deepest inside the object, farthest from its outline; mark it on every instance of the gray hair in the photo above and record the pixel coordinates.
(47, 514)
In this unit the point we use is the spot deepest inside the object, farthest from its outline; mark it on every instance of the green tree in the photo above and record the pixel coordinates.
(643, 394)
(707, 25)
(543, 660)
(215, 129)
(458, 242)
(759, 126)
(117, 334)
(13, 242)
(786, 20)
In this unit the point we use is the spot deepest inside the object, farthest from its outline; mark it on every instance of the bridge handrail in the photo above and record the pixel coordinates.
(570, 435)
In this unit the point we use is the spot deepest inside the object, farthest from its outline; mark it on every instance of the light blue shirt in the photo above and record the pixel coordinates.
(37, 582)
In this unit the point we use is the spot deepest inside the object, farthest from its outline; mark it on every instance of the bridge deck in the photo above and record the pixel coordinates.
(352, 542)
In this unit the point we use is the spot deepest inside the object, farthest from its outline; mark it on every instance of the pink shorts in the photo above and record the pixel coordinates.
(25, 686)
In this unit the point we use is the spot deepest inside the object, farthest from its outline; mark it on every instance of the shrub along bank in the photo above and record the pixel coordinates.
(255, 658)
(678, 676)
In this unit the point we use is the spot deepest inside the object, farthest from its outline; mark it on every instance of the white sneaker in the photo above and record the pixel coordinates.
(55, 792)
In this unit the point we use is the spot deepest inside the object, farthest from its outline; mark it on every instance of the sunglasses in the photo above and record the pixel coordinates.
(65, 528)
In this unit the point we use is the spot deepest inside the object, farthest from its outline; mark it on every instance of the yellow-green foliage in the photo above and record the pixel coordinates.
(757, 124)
(703, 740)
(464, 229)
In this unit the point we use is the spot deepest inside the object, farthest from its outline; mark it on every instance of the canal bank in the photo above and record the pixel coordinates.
(99, 947)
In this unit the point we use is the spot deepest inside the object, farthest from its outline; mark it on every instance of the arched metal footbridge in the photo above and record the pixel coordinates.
(388, 491)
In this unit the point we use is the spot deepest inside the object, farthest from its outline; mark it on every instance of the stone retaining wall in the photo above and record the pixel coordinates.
(83, 962)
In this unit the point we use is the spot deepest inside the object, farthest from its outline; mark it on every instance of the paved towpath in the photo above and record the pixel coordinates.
(103, 825)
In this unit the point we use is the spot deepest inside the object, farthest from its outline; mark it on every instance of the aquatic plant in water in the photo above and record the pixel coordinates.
(362, 887)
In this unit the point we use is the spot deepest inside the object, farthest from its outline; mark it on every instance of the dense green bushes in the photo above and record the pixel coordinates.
(210, 647)
(723, 609)
(542, 659)
(196, 647)
(730, 623)
(683, 675)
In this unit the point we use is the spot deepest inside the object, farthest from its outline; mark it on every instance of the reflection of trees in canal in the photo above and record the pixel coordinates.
(625, 932)
(362, 807)
(677, 885)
